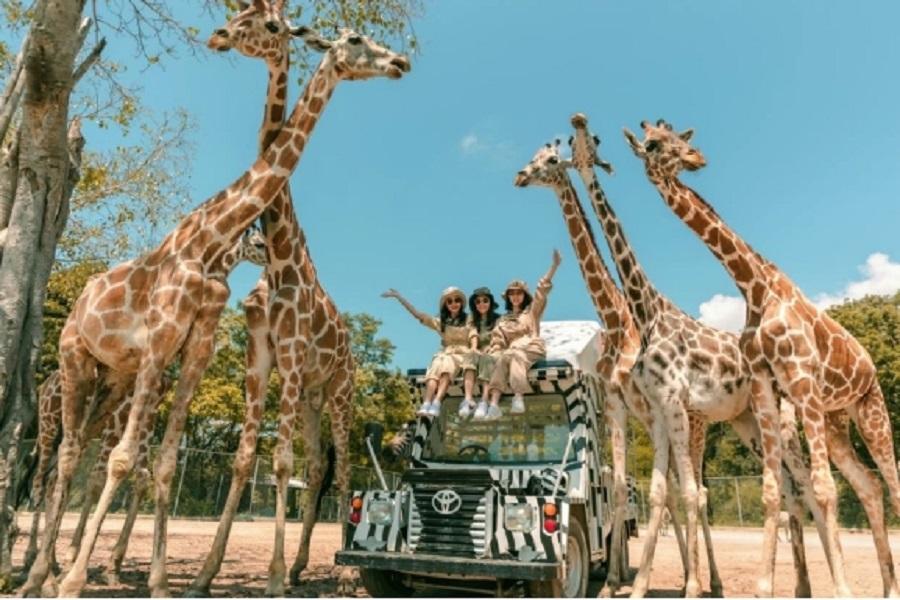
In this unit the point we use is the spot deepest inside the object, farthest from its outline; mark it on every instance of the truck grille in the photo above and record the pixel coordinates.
(465, 532)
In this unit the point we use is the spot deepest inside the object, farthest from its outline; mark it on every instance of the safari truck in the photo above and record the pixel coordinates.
(487, 506)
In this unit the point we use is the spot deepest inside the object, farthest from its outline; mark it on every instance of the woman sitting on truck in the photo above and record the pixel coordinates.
(517, 340)
(479, 364)
(454, 329)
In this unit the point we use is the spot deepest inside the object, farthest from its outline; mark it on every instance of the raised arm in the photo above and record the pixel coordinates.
(424, 318)
(545, 284)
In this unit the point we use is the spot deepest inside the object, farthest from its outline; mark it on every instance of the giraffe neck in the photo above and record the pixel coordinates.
(607, 298)
(747, 267)
(285, 239)
(643, 298)
(213, 228)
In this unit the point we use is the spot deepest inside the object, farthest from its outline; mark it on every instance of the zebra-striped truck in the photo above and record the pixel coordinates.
(487, 506)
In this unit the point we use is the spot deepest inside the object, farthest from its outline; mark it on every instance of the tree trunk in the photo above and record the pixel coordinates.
(44, 181)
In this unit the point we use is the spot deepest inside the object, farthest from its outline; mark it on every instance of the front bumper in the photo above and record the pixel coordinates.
(442, 566)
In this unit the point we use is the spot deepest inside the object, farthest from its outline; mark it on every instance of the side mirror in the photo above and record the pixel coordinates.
(374, 432)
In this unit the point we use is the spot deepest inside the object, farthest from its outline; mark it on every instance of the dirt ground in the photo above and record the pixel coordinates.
(246, 561)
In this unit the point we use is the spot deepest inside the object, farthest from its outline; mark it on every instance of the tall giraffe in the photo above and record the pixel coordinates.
(621, 345)
(315, 353)
(107, 419)
(168, 301)
(794, 348)
(690, 373)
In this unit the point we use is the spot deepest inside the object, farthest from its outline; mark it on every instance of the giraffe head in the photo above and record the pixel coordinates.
(355, 56)
(584, 147)
(252, 247)
(547, 168)
(259, 30)
(664, 151)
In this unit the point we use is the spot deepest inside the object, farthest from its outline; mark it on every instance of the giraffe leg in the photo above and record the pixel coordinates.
(77, 372)
(339, 392)
(121, 460)
(283, 468)
(315, 471)
(678, 424)
(765, 409)
(868, 490)
(698, 445)
(804, 391)
(675, 520)
(259, 364)
(196, 354)
(95, 485)
(657, 498)
(802, 588)
(49, 417)
(874, 425)
(616, 419)
(141, 483)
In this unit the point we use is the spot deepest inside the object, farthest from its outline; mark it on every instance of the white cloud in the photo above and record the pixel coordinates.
(723, 312)
(881, 276)
(469, 144)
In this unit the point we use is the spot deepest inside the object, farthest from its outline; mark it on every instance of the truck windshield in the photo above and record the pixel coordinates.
(538, 435)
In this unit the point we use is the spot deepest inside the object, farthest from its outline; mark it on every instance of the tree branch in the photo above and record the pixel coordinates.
(88, 61)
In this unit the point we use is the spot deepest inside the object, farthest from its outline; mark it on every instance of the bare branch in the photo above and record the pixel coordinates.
(88, 61)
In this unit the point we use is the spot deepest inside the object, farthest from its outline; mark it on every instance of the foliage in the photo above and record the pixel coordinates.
(63, 289)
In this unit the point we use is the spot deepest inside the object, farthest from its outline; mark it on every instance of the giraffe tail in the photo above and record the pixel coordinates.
(327, 479)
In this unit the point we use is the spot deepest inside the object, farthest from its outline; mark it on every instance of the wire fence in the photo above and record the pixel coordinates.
(202, 480)
(737, 501)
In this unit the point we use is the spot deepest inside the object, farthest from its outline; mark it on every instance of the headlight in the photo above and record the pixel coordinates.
(519, 517)
(380, 512)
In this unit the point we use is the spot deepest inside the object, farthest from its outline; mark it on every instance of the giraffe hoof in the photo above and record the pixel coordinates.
(295, 578)
(196, 592)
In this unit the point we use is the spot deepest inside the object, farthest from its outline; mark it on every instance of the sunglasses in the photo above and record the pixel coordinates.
(454, 301)
(482, 300)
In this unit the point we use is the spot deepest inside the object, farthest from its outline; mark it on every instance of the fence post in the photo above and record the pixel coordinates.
(640, 489)
(253, 487)
(184, 464)
(218, 495)
(737, 494)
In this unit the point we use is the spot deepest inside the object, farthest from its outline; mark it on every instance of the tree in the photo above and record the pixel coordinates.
(41, 161)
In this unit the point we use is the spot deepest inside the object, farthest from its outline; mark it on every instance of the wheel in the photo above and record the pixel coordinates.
(574, 582)
(383, 584)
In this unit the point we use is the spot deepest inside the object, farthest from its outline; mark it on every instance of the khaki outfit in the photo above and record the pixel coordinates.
(517, 340)
(450, 359)
(481, 360)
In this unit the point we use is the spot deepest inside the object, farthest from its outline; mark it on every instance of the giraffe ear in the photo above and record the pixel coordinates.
(314, 40)
(242, 6)
(686, 135)
(604, 165)
(636, 146)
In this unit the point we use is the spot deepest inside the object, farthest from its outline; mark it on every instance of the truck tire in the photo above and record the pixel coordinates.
(574, 583)
(383, 584)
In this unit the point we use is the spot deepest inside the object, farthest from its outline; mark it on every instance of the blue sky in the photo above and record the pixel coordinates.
(408, 184)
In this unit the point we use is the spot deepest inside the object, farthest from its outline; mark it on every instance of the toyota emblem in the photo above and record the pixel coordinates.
(446, 502)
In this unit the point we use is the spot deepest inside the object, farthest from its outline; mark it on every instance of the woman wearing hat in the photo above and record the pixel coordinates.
(479, 363)
(455, 331)
(517, 339)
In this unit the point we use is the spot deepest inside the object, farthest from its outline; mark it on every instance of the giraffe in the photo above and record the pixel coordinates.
(108, 418)
(690, 373)
(169, 301)
(621, 345)
(794, 348)
(314, 353)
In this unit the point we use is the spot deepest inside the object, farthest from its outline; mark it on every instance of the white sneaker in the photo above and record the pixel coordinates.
(424, 410)
(493, 413)
(435, 409)
(465, 409)
(518, 405)
(480, 411)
